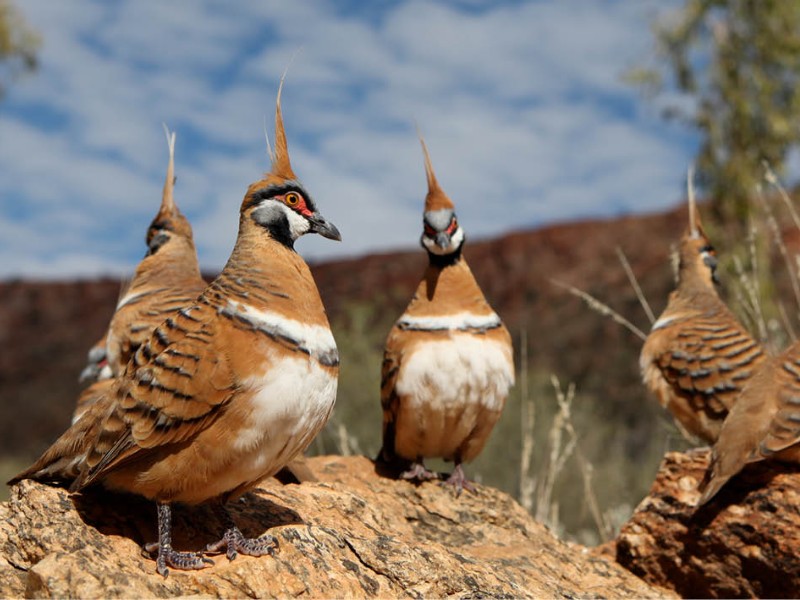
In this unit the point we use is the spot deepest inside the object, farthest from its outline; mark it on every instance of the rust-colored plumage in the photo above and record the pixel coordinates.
(167, 279)
(225, 391)
(448, 362)
(698, 357)
(763, 424)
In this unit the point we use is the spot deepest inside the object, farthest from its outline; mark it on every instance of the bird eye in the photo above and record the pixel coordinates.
(292, 199)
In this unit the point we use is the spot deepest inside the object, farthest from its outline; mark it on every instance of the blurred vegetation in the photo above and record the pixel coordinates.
(736, 67)
(19, 45)
(531, 453)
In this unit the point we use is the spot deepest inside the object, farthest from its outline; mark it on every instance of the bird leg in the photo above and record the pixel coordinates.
(234, 541)
(418, 472)
(459, 480)
(184, 561)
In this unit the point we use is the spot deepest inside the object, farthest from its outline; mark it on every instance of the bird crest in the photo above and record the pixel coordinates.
(436, 198)
(280, 168)
(167, 197)
(169, 217)
(695, 226)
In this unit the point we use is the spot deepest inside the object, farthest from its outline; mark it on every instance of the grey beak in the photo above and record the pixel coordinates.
(442, 240)
(325, 228)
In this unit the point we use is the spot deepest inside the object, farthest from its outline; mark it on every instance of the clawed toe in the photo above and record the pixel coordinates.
(184, 561)
(418, 472)
(458, 480)
(234, 543)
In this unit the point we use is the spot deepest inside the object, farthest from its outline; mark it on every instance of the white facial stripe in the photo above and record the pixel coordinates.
(270, 211)
(458, 321)
(298, 225)
(315, 339)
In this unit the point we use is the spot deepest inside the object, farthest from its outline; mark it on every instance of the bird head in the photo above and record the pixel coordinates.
(697, 256)
(278, 202)
(169, 223)
(441, 233)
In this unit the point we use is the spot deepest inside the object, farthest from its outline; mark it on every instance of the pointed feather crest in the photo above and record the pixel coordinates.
(167, 198)
(694, 216)
(436, 198)
(280, 155)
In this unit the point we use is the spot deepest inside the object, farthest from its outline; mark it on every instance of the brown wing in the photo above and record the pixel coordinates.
(65, 459)
(133, 323)
(171, 390)
(784, 428)
(392, 359)
(708, 361)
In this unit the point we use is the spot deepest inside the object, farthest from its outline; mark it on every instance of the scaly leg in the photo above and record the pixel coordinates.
(459, 480)
(418, 472)
(184, 561)
(234, 541)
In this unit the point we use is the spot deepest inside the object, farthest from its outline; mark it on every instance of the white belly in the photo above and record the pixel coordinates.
(451, 394)
(290, 404)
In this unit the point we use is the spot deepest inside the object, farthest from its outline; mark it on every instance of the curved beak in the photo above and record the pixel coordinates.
(325, 228)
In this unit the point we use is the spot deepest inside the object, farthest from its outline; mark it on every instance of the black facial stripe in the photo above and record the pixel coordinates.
(162, 224)
(444, 260)
(279, 190)
(707, 248)
(272, 217)
(158, 239)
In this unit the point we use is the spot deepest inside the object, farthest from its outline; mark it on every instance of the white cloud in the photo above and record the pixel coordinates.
(521, 104)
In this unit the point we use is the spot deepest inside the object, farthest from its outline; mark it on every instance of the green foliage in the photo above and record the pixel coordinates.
(739, 63)
(19, 45)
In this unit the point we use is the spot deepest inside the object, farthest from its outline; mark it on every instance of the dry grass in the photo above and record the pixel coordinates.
(602, 308)
(527, 482)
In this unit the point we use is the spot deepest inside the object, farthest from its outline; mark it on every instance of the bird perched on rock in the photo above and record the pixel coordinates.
(225, 391)
(698, 357)
(763, 424)
(448, 362)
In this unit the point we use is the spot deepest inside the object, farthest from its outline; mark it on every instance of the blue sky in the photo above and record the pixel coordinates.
(521, 104)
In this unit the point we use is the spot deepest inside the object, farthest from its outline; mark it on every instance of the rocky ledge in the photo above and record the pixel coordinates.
(744, 543)
(352, 533)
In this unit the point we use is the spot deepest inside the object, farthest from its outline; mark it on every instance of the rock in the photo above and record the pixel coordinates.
(744, 543)
(353, 532)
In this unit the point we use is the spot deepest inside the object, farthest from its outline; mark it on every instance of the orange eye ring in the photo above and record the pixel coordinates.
(292, 199)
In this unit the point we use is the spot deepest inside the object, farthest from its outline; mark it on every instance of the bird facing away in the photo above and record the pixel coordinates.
(448, 361)
(225, 391)
(698, 357)
(167, 278)
(763, 424)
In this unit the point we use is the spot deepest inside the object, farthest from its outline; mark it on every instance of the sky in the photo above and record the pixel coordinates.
(522, 105)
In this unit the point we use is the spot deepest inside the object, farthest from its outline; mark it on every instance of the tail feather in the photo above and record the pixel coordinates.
(712, 483)
(65, 460)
